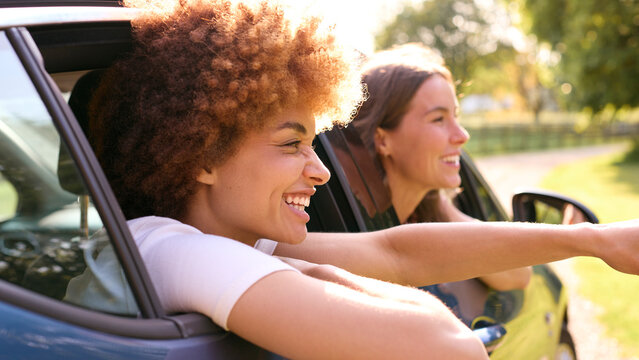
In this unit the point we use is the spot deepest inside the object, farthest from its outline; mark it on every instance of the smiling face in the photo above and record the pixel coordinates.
(422, 152)
(262, 190)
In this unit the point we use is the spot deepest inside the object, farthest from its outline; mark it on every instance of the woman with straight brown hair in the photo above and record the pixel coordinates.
(410, 123)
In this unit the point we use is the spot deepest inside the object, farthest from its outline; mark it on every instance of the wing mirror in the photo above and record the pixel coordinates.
(550, 208)
(491, 336)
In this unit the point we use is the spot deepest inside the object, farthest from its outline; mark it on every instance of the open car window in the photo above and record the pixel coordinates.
(50, 232)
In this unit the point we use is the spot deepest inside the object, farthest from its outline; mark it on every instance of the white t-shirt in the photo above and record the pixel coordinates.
(191, 271)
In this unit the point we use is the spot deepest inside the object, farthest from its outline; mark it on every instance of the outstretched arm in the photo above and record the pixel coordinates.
(428, 253)
(330, 314)
(504, 280)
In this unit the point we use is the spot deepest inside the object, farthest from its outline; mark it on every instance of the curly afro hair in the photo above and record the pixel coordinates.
(201, 75)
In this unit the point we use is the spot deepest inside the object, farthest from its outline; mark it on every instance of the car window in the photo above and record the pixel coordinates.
(9, 202)
(50, 233)
(488, 203)
(477, 199)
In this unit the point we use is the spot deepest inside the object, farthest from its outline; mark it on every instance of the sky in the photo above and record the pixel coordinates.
(357, 20)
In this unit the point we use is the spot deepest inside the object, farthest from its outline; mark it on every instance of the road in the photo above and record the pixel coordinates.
(506, 173)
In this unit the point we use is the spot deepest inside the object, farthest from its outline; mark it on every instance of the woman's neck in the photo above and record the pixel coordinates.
(201, 216)
(405, 196)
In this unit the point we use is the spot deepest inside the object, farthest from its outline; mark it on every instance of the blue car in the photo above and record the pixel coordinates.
(58, 212)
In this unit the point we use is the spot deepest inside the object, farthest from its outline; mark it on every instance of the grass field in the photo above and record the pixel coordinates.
(609, 186)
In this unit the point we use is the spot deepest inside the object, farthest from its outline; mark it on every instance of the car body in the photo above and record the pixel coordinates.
(56, 200)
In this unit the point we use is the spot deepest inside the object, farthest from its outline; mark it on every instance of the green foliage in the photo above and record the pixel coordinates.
(604, 183)
(462, 31)
(8, 199)
(599, 44)
(613, 291)
(546, 19)
(632, 156)
(609, 187)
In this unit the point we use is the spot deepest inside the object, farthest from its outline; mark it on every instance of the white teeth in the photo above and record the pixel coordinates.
(298, 202)
(451, 159)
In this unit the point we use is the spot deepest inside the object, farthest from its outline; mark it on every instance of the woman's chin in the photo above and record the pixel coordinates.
(293, 238)
(454, 182)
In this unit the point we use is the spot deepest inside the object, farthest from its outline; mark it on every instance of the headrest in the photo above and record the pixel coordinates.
(68, 176)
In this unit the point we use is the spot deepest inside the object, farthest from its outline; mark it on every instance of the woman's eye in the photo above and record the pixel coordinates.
(293, 145)
(439, 119)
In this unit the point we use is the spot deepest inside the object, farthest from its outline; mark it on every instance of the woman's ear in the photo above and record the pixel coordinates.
(207, 177)
(382, 142)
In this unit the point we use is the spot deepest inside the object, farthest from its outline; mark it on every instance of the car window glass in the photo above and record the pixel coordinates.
(8, 199)
(547, 214)
(50, 233)
(477, 200)
(486, 201)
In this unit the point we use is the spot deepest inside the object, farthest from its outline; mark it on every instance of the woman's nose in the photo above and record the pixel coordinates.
(459, 135)
(315, 169)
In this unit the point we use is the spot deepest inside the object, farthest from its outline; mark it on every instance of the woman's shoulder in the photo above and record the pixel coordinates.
(161, 235)
(157, 229)
(150, 223)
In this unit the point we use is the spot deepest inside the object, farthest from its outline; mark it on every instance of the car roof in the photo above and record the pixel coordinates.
(42, 12)
(39, 3)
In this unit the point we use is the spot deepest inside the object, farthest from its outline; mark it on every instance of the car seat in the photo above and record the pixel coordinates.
(62, 257)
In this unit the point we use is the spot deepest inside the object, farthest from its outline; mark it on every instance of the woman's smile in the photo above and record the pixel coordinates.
(297, 204)
(451, 160)
(270, 182)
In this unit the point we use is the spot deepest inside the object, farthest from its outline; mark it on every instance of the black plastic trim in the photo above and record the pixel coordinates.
(474, 173)
(550, 197)
(341, 176)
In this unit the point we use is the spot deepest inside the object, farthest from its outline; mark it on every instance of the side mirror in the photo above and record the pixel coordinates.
(550, 208)
(491, 336)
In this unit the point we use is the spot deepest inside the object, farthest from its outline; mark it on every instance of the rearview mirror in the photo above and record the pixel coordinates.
(550, 208)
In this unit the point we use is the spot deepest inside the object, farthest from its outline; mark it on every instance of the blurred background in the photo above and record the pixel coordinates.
(549, 91)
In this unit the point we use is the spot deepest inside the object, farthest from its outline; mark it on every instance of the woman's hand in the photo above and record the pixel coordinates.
(618, 245)
(572, 215)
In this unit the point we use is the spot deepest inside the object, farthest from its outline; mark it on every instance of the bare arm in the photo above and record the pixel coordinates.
(430, 253)
(302, 317)
(505, 280)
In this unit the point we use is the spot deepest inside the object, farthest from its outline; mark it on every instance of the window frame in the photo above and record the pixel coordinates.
(470, 199)
(153, 323)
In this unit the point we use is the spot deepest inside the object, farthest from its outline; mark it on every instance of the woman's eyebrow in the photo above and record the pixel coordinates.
(293, 125)
(437, 108)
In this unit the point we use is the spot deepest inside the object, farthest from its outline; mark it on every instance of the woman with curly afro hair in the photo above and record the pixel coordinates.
(205, 133)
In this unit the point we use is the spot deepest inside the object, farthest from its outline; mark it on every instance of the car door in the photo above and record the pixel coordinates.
(360, 202)
(58, 213)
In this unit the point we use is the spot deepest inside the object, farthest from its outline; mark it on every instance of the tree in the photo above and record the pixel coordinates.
(475, 39)
(599, 46)
(467, 35)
